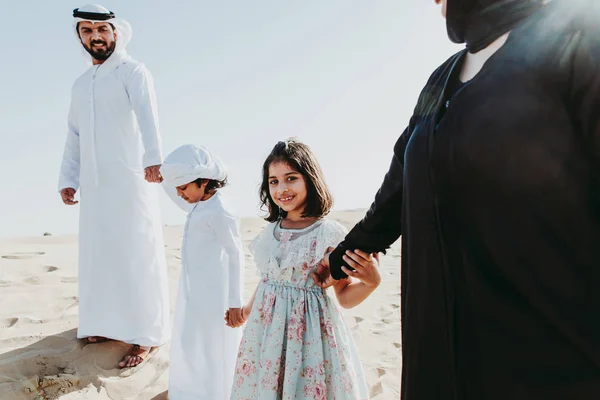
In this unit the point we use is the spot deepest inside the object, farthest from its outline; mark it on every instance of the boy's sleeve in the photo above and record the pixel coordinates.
(227, 229)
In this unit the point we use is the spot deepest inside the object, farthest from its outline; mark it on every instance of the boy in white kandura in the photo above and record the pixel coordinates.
(203, 348)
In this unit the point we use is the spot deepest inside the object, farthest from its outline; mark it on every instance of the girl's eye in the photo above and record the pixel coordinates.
(292, 178)
(273, 182)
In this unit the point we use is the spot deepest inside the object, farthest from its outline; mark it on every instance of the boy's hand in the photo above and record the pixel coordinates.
(236, 317)
(366, 267)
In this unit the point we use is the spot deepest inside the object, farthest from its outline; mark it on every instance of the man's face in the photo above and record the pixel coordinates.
(99, 39)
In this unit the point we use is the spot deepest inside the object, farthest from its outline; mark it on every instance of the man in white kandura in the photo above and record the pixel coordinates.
(112, 152)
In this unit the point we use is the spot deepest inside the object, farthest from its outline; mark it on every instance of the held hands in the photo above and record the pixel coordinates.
(322, 275)
(236, 317)
(365, 265)
(365, 268)
(152, 174)
(68, 196)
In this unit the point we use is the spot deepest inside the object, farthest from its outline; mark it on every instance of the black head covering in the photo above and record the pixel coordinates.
(479, 22)
(94, 16)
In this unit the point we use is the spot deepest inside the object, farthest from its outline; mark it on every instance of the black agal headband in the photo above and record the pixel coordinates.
(93, 15)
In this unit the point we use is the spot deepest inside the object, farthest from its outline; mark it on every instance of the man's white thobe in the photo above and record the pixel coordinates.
(112, 136)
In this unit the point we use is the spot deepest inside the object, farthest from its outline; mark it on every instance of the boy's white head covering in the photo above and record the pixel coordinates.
(188, 163)
(95, 13)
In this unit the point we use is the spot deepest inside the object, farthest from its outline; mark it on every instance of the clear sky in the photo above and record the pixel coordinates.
(341, 75)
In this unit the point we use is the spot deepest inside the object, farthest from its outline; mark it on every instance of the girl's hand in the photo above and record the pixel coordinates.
(322, 274)
(245, 313)
(365, 265)
(236, 317)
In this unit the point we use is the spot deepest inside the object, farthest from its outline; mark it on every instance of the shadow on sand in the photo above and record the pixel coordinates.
(61, 364)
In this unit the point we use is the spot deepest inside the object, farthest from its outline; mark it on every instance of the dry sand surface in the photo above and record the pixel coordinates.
(40, 358)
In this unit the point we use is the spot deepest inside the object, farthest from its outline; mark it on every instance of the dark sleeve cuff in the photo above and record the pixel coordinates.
(336, 262)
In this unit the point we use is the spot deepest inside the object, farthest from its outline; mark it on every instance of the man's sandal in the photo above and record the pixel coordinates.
(136, 353)
(95, 339)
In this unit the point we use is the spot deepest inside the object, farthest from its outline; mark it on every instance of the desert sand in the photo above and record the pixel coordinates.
(41, 359)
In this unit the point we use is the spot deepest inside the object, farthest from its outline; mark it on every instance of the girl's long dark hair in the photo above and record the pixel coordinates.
(301, 159)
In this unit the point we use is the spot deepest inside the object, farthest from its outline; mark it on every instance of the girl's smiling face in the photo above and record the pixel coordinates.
(287, 188)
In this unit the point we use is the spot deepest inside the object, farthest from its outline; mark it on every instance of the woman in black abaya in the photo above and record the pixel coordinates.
(495, 190)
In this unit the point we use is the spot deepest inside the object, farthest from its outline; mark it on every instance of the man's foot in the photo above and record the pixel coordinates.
(135, 356)
(95, 339)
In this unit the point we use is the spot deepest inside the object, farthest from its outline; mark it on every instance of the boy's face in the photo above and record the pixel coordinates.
(191, 192)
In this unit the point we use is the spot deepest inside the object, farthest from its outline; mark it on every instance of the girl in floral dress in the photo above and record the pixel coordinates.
(296, 344)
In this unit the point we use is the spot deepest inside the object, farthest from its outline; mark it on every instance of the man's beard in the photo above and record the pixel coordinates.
(100, 54)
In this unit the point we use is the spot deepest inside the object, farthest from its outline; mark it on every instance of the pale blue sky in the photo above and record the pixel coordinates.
(342, 75)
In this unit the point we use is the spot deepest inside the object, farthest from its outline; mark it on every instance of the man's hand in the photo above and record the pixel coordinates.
(152, 174)
(322, 275)
(68, 196)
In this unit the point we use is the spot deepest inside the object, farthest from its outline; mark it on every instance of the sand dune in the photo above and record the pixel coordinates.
(41, 359)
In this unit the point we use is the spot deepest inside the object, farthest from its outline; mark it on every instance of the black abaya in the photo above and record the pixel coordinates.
(497, 199)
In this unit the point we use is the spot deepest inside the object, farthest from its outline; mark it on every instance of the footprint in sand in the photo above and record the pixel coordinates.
(44, 270)
(381, 371)
(23, 256)
(397, 345)
(4, 283)
(359, 319)
(28, 320)
(73, 302)
(396, 306)
(376, 389)
(34, 280)
(8, 322)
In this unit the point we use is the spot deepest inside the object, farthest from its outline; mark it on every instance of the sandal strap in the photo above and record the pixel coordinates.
(138, 351)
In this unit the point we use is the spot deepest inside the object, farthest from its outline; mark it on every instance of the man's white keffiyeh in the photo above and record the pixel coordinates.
(122, 27)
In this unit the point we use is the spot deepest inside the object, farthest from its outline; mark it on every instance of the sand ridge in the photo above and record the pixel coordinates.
(41, 359)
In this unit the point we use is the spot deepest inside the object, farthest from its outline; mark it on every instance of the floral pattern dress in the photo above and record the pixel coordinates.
(296, 344)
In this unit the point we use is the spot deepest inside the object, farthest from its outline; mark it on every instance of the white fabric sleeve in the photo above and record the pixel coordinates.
(228, 232)
(331, 235)
(69, 170)
(181, 203)
(142, 96)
